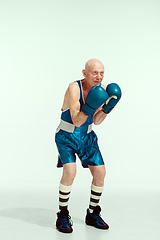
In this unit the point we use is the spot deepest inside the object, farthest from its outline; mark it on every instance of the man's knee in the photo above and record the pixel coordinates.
(101, 172)
(98, 173)
(69, 172)
(98, 170)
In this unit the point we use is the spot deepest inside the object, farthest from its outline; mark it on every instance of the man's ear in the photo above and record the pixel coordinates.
(84, 72)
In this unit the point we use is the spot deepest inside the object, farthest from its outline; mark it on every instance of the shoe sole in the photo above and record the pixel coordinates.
(62, 231)
(96, 227)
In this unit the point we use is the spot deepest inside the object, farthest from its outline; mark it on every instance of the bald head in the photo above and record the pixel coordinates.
(93, 72)
(93, 63)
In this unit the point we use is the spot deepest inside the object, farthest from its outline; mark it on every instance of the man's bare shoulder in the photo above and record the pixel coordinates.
(72, 95)
(73, 87)
(73, 91)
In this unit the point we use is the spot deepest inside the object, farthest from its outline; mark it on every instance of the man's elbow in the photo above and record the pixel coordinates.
(77, 124)
(96, 122)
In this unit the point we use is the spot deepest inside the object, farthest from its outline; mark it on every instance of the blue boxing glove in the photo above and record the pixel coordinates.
(115, 94)
(95, 98)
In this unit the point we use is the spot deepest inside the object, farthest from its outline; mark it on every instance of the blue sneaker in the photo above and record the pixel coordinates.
(64, 223)
(94, 219)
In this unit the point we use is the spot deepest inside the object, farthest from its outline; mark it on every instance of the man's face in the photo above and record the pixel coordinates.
(94, 74)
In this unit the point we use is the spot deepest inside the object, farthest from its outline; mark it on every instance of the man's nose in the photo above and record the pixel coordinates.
(99, 76)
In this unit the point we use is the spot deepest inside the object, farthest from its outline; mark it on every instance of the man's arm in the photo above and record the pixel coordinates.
(78, 117)
(99, 116)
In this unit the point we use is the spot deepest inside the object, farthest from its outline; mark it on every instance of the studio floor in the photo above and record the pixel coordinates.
(28, 212)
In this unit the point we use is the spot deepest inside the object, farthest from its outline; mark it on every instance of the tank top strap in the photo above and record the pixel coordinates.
(81, 94)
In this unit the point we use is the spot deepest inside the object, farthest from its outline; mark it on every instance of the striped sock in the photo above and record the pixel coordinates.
(96, 193)
(64, 193)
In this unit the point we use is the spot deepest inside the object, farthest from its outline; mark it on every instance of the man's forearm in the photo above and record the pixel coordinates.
(79, 118)
(99, 117)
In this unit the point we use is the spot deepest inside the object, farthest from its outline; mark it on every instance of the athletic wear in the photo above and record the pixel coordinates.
(96, 193)
(63, 222)
(94, 219)
(72, 140)
(84, 145)
(64, 194)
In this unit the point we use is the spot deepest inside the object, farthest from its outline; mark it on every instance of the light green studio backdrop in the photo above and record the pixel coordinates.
(43, 47)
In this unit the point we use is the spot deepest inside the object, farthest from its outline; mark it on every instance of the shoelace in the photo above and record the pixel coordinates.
(98, 218)
(66, 221)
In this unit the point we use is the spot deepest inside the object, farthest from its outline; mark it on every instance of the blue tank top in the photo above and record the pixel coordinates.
(66, 116)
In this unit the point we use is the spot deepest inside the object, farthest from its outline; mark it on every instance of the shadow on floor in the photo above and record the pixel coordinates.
(39, 216)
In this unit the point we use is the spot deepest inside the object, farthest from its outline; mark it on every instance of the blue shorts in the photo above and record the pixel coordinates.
(84, 145)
